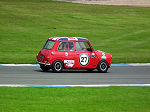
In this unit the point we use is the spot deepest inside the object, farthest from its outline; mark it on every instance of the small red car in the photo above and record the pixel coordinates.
(72, 53)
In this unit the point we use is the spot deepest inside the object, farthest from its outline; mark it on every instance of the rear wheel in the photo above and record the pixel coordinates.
(57, 66)
(103, 66)
(44, 68)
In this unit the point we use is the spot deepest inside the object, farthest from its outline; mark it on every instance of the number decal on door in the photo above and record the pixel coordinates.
(84, 59)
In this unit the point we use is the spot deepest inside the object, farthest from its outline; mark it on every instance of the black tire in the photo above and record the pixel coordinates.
(102, 66)
(44, 68)
(57, 66)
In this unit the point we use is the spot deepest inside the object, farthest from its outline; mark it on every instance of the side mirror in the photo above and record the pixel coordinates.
(89, 49)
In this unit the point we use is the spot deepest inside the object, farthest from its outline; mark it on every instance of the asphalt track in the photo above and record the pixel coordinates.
(33, 75)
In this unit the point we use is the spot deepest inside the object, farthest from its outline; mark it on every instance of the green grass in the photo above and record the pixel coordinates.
(25, 25)
(107, 99)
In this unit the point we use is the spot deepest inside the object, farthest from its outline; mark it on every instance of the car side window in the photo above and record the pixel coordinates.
(66, 46)
(82, 46)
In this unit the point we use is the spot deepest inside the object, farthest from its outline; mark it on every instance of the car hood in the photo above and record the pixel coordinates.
(102, 54)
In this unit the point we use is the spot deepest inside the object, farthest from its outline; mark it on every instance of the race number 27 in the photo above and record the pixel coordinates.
(84, 59)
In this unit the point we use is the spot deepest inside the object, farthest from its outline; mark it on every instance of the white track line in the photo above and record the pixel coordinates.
(12, 85)
(139, 64)
(19, 65)
(101, 85)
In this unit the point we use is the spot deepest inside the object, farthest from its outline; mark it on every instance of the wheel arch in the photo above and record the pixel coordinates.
(58, 60)
(60, 65)
(103, 66)
(101, 61)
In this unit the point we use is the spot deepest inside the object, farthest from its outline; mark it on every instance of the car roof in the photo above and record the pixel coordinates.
(68, 39)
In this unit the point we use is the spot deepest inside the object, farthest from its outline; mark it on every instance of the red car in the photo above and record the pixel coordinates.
(72, 53)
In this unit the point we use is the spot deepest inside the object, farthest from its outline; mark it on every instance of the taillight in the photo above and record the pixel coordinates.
(41, 56)
(37, 56)
(47, 57)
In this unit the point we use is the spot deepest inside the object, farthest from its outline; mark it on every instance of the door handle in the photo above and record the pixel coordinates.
(77, 53)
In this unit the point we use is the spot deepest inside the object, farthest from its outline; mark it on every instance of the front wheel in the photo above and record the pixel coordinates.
(103, 66)
(57, 66)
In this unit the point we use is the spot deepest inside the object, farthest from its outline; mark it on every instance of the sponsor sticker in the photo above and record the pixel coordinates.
(69, 63)
(103, 56)
(66, 54)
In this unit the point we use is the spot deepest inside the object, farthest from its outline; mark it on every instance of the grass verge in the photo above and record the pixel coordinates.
(107, 99)
(25, 25)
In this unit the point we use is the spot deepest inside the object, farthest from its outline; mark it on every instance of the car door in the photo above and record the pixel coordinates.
(65, 52)
(84, 56)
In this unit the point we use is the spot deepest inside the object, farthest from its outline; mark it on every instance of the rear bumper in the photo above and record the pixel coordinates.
(46, 63)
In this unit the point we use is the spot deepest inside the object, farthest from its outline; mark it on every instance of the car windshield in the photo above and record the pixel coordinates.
(49, 45)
